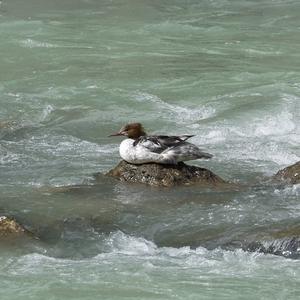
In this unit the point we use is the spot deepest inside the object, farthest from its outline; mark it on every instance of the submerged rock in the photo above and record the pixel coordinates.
(165, 175)
(283, 240)
(287, 247)
(290, 174)
(6, 124)
(10, 227)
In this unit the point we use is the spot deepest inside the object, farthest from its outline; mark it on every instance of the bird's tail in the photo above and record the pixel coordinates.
(204, 155)
(185, 137)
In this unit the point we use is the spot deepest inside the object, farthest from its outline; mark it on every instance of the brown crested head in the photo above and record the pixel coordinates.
(131, 130)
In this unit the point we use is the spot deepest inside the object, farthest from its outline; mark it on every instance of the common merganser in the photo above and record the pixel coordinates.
(140, 148)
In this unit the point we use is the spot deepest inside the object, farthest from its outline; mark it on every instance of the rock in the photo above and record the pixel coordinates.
(290, 174)
(287, 247)
(10, 227)
(283, 240)
(165, 175)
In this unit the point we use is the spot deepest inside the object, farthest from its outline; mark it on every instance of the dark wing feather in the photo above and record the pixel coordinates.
(151, 143)
(159, 143)
(171, 141)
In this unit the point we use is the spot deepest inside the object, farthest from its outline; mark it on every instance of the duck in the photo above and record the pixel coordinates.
(140, 148)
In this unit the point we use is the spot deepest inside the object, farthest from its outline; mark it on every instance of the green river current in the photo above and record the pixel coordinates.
(74, 71)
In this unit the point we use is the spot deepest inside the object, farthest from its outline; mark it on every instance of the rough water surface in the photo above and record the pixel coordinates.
(74, 71)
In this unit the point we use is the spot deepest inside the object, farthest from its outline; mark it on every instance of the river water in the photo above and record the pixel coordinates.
(74, 71)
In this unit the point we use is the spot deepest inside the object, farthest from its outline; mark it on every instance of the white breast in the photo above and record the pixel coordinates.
(136, 154)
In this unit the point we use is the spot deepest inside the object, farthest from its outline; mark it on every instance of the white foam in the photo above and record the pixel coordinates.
(179, 113)
(126, 254)
(258, 138)
(46, 112)
(130, 245)
(214, 136)
(8, 158)
(136, 246)
(270, 125)
(257, 52)
(171, 28)
(293, 190)
(30, 43)
(49, 148)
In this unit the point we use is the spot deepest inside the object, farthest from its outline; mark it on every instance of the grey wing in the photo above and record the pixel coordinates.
(159, 143)
(170, 141)
(151, 144)
(189, 151)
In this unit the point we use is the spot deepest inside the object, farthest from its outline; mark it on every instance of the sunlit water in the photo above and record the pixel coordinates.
(72, 72)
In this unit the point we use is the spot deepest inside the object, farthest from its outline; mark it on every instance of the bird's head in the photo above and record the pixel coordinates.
(131, 130)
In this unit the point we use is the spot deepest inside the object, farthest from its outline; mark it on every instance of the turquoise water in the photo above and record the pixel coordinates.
(73, 72)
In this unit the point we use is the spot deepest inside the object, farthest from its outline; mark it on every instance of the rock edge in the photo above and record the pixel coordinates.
(290, 174)
(9, 226)
(165, 175)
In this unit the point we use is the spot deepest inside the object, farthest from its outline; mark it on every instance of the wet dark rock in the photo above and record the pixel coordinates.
(10, 227)
(287, 247)
(290, 174)
(165, 175)
(283, 240)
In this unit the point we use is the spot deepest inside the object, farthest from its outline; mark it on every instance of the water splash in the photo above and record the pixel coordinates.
(179, 113)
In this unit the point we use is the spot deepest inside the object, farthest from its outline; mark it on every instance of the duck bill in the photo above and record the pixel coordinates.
(118, 134)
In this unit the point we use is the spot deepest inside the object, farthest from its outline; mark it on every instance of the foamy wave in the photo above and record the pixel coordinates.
(179, 113)
(67, 146)
(280, 124)
(29, 43)
(40, 149)
(46, 112)
(129, 245)
(171, 28)
(216, 261)
(256, 139)
(9, 158)
(135, 246)
(214, 136)
(144, 255)
(293, 190)
(256, 52)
